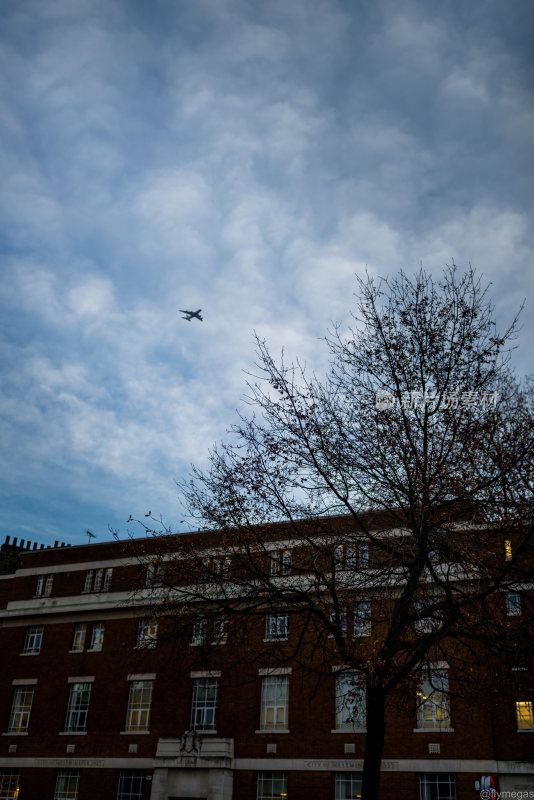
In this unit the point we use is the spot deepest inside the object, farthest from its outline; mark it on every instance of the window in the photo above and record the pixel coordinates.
(204, 704)
(78, 642)
(130, 784)
(508, 549)
(513, 604)
(33, 640)
(147, 633)
(362, 619)
(433, 702)
(154, 575)
(280, 562)
(97, 636)
(427, 621)
(138, 713)
(342, 622)
(67, 784)
(274, 701)
(78, 708)
(524, 716)
(220, 633)
(223, 566)
(350, 702)
(272, 786)
(199, 632)
(98, 580)
(9, 784)
(20, 709)
(44, 585)
(437, 786)
(276, 626)
(363, 555)
(348, 785)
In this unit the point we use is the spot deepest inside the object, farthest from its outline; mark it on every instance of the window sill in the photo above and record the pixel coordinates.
(36, 653)
(72, 733)
(16, 733)
(349, 730)
(525, 730)
(75, 651)
(208, 732)
(134, 733)
(433, 730)
(94, 650)
(277, 639)
(273, 730)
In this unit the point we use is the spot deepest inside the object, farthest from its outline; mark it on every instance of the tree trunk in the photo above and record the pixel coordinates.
(374, 742)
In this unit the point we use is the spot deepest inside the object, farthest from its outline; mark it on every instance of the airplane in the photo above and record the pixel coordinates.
(191, 314)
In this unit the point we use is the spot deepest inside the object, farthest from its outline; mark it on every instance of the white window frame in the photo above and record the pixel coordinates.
(281, 561)
(131, 783)
(78, 707)
(433, 702)
(437, 780)
(21, 706)
(33, 639)
(220, 631)
(363, 555)
(97, 637)
(204, 703)
(272, 785)
(198, 635)
(10, 783)
(351, 781)
(139, 705)
(362, 618)
(67, 784)
(78, 639)
(276, 626)
(350, 702)
(147, 633)
(274, 702)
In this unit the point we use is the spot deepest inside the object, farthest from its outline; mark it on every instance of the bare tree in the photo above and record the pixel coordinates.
(401, 485)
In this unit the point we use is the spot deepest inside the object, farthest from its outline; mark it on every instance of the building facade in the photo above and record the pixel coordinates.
(99, 699)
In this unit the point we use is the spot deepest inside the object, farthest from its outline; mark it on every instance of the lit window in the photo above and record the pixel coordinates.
(139, 701)
(362, 619)
(350, 702)
(339, 554)
(508, 549)
(67, 784)
(33, 639)
(20, 709)
(130, 784)
(97, 636)
(44, 585)
(99, 577)
(274, 702)
(89, 578)
(276, 626)
(513, 604)
(204, 704)
(78, 708)
(348, 785)
(525, 718)
(78, 642)
(147, 633)
(437, 786)
(433, 702)
(198, 637)
(272, 786)
(9, 784)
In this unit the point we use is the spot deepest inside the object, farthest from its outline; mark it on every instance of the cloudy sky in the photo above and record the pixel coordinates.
(247, 158)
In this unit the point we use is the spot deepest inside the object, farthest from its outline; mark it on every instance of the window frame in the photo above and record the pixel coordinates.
(433, 691)
(266, 777)
(78, 637)
(276, 626)
(67, 784)
(139, 705)
(275, 706)
(362, 623)
(513, 604)
(97, 637)
(21, 707)
(130, 793)
(147, 633)
(34, 633)
(529, 716)
(436, 780)
(358, 721)
(204, 703)
(341, 779)
(78, 707)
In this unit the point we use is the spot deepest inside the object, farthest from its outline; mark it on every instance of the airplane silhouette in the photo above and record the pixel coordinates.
(191, 314)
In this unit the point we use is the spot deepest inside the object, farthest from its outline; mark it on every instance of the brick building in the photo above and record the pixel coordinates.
(99, 699)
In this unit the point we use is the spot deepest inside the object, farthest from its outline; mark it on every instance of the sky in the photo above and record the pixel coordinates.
(246, 158)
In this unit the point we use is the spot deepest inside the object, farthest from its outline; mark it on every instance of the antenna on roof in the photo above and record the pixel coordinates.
(90, 536)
